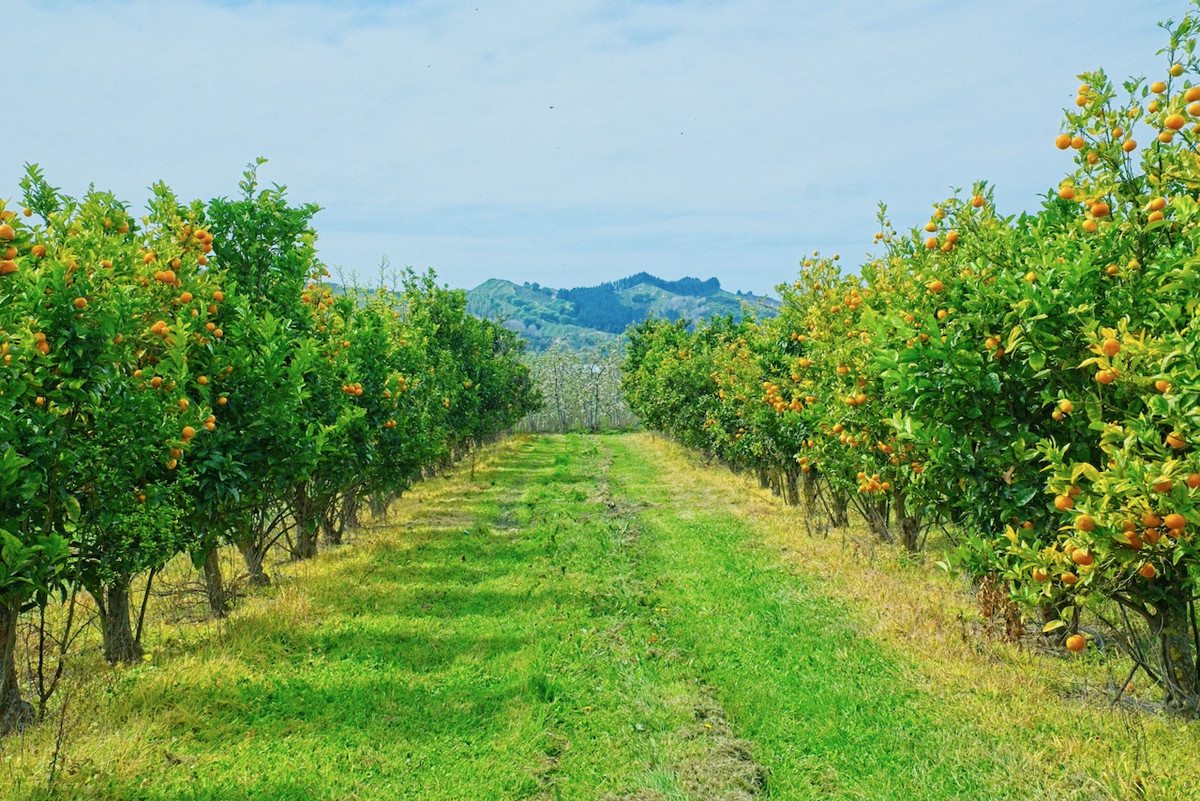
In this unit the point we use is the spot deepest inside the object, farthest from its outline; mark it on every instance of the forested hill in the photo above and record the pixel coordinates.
(586, 316)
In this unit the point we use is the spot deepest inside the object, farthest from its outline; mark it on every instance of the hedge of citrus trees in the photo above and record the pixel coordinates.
(1029, 382)
(186, 380)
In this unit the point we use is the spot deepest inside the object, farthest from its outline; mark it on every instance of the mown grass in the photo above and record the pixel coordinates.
(595, 618)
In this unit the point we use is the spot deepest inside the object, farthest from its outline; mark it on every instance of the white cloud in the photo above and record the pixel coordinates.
(566, 143)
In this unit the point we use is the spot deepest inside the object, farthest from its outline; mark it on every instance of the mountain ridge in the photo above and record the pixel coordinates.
(582, 317)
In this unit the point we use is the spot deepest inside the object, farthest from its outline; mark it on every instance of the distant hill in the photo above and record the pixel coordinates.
(587, 316)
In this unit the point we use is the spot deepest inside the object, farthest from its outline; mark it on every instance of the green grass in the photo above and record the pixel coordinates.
(585, 618)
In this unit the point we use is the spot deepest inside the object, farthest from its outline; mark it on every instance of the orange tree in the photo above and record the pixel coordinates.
(277, 379)
(102, 390)
(1125, 508)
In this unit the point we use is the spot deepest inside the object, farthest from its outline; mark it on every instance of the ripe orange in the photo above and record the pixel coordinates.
(1193, 481)
(1040, 574)
(188, 433)
(1066, 406)
(1194, 109)
(156, 382)
(1067, 193)
(1164, 486)
(1111, 347)
(1085, 523)
(1158, 204)
(149, 258)
(1106, 376)
(185, 297)
(1175, 122)
(1064, 502)
(1089, 226)
(931, 243)
(1166, 137)
(1158, 87)
(1078, 142)
(977, 201)
(1069, 578)
(1148, 571)
(1174, 520)
(931, 226)
(1076, 643)
(1129, 145)
(7, 267)
(1175, 71)
(935, 286)
(1082, 557)
(81, 303)
(1161, 385)
(1100, 209)
(7, 234)
(1062, 141)
(218, 296)
(1176, 440)
(221, 401)
(1192, 95)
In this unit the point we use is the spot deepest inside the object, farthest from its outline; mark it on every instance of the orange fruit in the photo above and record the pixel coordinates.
(1106, 376)
(1100, 209)
(931, 243)
(1062, 141)
(1129, 145)
(221, 401)
(7, 267)
(188, 433)
(1158, 204)
(1158, 87)
(156, 382)
(1175, 71)
(1089, 226)
(1164, 486)
(1175, 520)
(1076, 643)
(1069, 578)
(1078, 142)
(935, 286)
(1148, 571)
(1064, 502)
(1066, 406)
(7, 234)
(1082, 557)
(218, 296)
(1085, 523)
(1176, 440)
(1040, 574)
(977, 201)
(1193, 481)
(1111, 347)
(1067, 193)
(1166, 137)
(1192, 95)
(1175, 122)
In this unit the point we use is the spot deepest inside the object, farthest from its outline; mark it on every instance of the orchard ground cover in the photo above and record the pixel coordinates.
(598, 617)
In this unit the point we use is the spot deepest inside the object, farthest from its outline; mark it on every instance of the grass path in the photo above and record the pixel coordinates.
(584, 618)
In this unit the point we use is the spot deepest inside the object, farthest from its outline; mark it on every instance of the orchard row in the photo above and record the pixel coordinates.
(1031, 382)
(183, 381)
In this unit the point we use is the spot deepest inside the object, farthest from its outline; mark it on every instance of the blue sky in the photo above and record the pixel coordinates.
(566, 143)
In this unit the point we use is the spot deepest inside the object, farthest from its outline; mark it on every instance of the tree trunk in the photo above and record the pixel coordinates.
(764, 477)
(350, 512)
(119, 643)
(308, 524)
(214, 583)
(877, 513)
(808, 486)
(909, 524)
(253, 554)
(379, 505)
(14, 713)
(1177, 657)
(791, 490)
(841, 512)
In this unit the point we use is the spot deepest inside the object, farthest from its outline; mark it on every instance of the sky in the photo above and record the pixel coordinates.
(566, 142)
